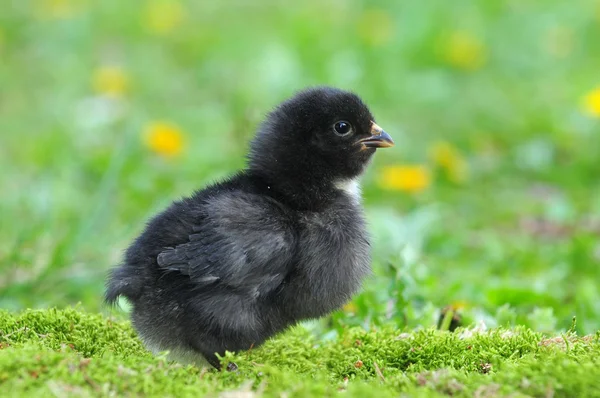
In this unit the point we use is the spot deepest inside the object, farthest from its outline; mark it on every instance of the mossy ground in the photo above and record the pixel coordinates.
(73, 353)
(495, 109)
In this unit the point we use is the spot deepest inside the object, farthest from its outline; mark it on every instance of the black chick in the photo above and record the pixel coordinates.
(282, 241)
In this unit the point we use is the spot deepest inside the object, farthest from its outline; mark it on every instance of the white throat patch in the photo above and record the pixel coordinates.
(351, 187)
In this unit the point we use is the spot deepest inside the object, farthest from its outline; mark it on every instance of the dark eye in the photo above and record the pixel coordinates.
(342, 128)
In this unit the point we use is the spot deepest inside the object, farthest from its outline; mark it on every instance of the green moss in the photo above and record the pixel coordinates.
(70, 352)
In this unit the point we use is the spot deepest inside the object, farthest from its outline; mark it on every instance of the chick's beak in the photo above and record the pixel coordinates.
(378, 138)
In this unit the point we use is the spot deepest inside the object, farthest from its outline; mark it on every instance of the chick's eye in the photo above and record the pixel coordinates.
(342, 128)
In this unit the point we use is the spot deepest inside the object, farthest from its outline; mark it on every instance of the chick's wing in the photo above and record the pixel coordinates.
(243, 240)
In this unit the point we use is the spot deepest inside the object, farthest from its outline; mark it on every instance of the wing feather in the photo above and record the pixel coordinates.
(243, 241)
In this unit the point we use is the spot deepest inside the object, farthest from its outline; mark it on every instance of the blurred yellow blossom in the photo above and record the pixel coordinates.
(447, 156)
(458, 305)
(57, 9)
(409, 178)
(375, 27)
(591, 102)
(112, 81)
(162, 16)
(464, 50)
(559, 42)
(164, 138)
(350, 307)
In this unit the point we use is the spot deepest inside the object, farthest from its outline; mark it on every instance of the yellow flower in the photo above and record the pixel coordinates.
(591, 102)
(375, 27)
(164, 138)
(463, 50)
(459, 305)
(409, 178)
(559, 42)
(446, 156)
(162, 16)
(350, 307)
(57, 9)
(111, 81)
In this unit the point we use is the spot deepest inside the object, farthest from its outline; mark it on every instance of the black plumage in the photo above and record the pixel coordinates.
(282, 241)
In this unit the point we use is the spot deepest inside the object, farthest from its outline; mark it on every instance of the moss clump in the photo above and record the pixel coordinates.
(70, 352)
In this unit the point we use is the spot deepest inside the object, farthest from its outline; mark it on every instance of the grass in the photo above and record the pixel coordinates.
(69, 352)
(494, 106)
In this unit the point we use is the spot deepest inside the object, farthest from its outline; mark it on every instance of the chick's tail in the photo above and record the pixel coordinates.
(122, 281)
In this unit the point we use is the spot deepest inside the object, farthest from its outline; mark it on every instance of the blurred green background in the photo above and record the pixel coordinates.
(489, 204)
